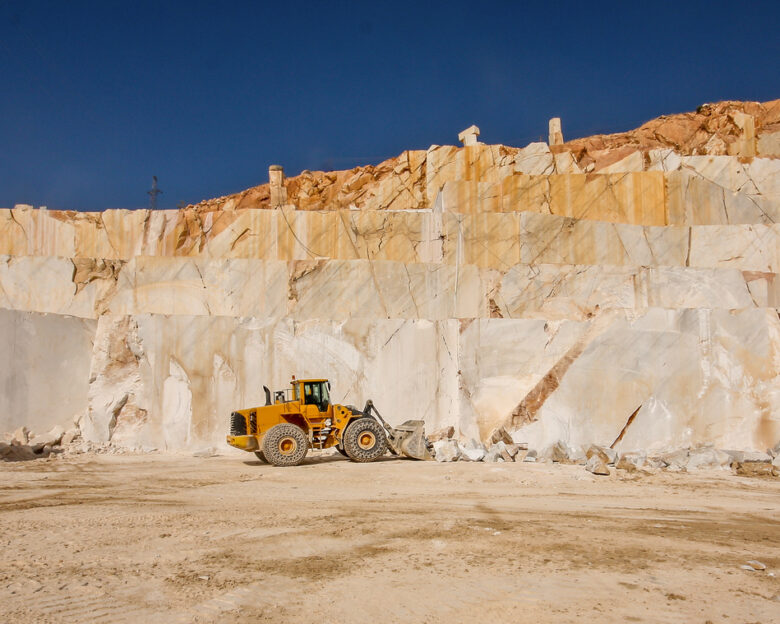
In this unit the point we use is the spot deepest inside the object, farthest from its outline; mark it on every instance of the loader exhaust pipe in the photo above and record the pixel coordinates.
(267, 395)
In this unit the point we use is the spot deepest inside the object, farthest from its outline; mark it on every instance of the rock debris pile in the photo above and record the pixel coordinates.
(24, 445)
(616, 291)
(598, 459)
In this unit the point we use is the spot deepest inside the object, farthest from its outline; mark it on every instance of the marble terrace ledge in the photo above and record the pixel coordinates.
(488, 240)
(343, 289)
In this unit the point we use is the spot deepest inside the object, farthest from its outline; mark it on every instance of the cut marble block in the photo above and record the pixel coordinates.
(574, 292)
(632, 198)
(694, 200)
(692, 377)
(44, 369)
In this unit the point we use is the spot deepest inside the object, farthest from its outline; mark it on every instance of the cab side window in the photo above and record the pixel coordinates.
(324, 394)
(311, 393)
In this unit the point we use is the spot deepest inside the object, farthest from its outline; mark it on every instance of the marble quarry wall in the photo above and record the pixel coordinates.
(615, 287)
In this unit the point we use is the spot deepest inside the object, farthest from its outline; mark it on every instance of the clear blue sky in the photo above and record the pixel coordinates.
(96, 97)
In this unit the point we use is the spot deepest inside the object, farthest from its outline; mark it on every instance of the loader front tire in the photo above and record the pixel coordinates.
(261, 457)
(364, 440)
(285, 445)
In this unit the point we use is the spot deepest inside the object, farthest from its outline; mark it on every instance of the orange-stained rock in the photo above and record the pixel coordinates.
(412, 180)
(687, 133)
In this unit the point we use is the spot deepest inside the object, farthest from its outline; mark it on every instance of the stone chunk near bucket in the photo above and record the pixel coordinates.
(597, 465)
(446, 451)
(473, 451)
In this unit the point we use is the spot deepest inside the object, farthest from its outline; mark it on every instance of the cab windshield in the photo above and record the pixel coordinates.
(316, 393)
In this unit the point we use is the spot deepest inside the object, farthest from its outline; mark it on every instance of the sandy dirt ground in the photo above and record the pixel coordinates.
(155, 538)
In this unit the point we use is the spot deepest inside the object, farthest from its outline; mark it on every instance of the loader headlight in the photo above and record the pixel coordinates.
(328, 422)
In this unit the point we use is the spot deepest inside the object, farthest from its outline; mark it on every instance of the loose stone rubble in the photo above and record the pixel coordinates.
(597, 459)
(617, 291)
(22, 445)
(473, 451)
(597, 465)
(446, 450)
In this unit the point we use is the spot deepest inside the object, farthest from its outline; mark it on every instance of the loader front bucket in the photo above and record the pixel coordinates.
(409, 439)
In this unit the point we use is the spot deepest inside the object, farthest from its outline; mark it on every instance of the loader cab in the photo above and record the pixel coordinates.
(315, 392)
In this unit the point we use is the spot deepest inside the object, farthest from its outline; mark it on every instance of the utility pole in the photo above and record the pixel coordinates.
(153, 194)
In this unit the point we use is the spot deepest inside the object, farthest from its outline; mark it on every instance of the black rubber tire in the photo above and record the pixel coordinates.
(261, 457)
(352, 440)
(341, 450)
(285, 433)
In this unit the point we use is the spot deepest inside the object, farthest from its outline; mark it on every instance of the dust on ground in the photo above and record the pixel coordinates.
(161, 538)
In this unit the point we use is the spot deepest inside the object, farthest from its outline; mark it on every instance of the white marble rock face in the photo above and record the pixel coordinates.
(189, 373)
(695, 376)
(455, 290)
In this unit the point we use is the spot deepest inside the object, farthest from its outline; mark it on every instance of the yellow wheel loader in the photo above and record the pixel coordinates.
(282, 431)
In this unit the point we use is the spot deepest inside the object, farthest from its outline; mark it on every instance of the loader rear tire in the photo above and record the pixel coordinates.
(285, 445)
(261, 457)
(341, 450)
(364, 440)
